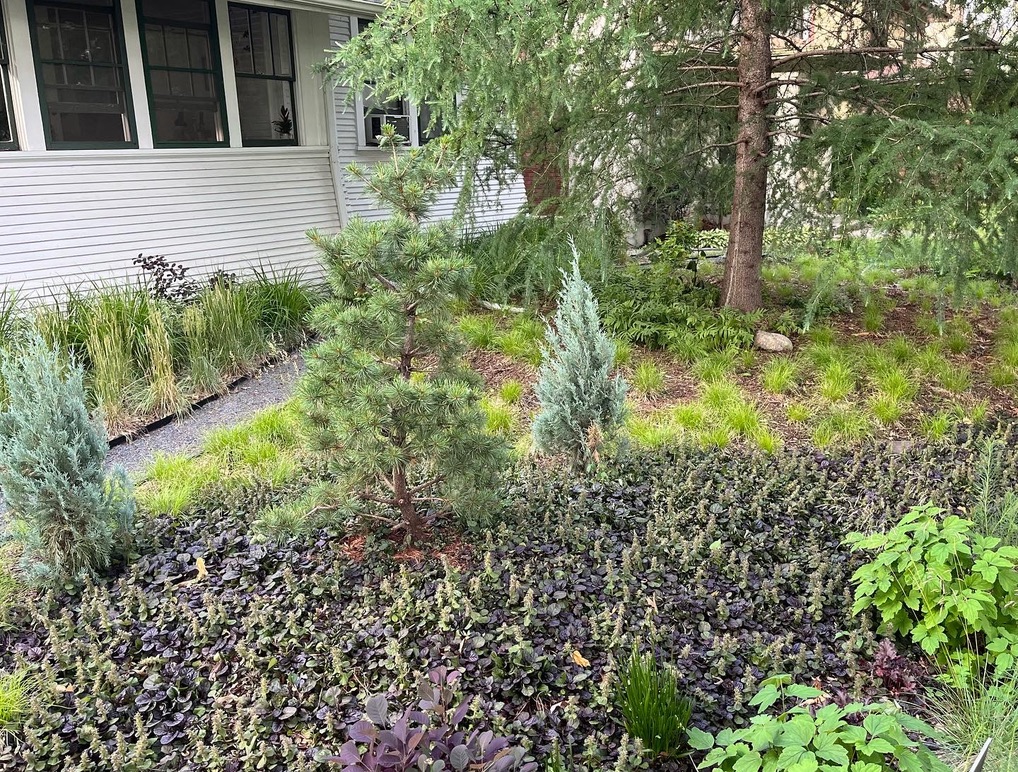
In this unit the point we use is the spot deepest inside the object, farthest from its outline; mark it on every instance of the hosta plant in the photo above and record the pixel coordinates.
(804, 737)
(427, 739)
(942, 584)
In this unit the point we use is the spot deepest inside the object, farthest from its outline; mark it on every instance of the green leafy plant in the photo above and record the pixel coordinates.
(859, 737)
(653, 707)
(582, 404)
(390, 402)
(73, 518)
(943, 585)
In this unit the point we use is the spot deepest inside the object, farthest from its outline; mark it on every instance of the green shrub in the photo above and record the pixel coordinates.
(648, 379)
(942, 585)
(873, 737)
(390, 403)
(581, 404)
(72, 517)
(653, 707)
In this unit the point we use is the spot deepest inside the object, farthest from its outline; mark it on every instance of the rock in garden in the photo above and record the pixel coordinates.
(772, 341)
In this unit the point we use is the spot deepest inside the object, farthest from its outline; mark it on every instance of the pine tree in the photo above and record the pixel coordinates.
(582, 404)
(389, 397)
(72, 516)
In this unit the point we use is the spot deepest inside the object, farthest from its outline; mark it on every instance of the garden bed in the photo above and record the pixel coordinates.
(218, 651)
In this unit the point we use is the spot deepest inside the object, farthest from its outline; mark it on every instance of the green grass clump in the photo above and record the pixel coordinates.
(653, 431)
(936, 427)
(767, 441)
(721, 395)
(15, 697)
(897, 384)
(479, 330)
(872, 317)
(798, 412)
(840, 426)
(837, 381)
(511, 392)
(690, 415)
(687, 348)
(716, 437)
(887, 408)
(742, 418)
(714, 367)
(930, 361)
(956, 379)
(653, 708)
(1007, 353)
(498, 417)
(778, 375)
(901, 349)
(1001, 376)
(623, 352)
(967, 714)
(522, 341)
(648, 379)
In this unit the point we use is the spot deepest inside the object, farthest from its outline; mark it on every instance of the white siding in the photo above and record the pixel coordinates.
(491, 204)
(68, 218)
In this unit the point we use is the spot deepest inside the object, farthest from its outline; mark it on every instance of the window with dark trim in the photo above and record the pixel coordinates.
(83, 82)
(180, 44)
(8, 136)
(263, 60)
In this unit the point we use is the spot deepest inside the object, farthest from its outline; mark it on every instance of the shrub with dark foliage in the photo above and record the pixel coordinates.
(426, 739)
(728, 565)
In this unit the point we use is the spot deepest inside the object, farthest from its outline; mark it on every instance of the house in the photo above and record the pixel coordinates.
(194, 129)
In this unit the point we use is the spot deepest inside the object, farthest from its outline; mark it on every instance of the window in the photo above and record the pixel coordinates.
(82, 78)
(8, 138)
(414, 124)
(185, 77)
(263, 59)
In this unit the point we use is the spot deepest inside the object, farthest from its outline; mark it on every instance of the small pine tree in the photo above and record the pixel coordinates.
(582, 404)
(389, 397)
(71, 516)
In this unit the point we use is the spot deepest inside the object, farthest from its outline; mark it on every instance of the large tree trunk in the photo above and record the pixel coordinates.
(742, 288)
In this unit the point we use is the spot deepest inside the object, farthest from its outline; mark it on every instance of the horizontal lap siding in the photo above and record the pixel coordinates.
(74, 218)
(491, 204)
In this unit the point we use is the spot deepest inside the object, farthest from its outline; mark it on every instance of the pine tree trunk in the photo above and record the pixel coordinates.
(742, 288)
(405, 504)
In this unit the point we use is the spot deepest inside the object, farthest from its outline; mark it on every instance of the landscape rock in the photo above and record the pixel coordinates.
(772, 341)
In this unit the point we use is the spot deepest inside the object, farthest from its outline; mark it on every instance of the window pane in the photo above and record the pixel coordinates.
(240, 32)
(196, 11)
(191, 119)
(176, 46)
(426, 129)
(266, 110)
(6, 135)
(282, 57)
(83, 84)
(261, 43)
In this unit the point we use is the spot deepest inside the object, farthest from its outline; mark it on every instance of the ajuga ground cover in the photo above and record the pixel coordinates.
(217, 651)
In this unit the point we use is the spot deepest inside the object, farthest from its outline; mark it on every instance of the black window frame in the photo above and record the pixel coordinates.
(118, 29)
(6, 87)
(291, 79)
(217, 74)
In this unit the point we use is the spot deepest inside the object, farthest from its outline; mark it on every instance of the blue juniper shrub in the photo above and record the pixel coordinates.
(71, 515)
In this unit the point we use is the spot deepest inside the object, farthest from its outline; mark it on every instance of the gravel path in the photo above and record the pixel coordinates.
(271, 386)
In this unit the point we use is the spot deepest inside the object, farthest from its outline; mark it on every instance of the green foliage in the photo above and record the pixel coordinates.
(798, 412)
(994, 505)
(648, 379)
(779, 375)
(967, 714)
(581, 404)
(498, 415)
(943, 585)
(391, 403)
(16, 691)
(522, 260)
(522, 341)
(837, 381)
(72, 517)
(860, 737)
(511, 392)
(653, 707)
(841, 425)
(936, 427)
(479, 330)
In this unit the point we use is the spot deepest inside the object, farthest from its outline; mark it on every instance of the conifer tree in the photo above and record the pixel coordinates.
(72, 516)
(582, 404)
(389, 397)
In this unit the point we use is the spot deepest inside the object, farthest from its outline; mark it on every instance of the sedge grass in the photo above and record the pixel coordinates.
(653, 707)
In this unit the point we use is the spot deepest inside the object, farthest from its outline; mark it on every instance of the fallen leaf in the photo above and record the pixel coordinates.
(202, 573)
(580, 660)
